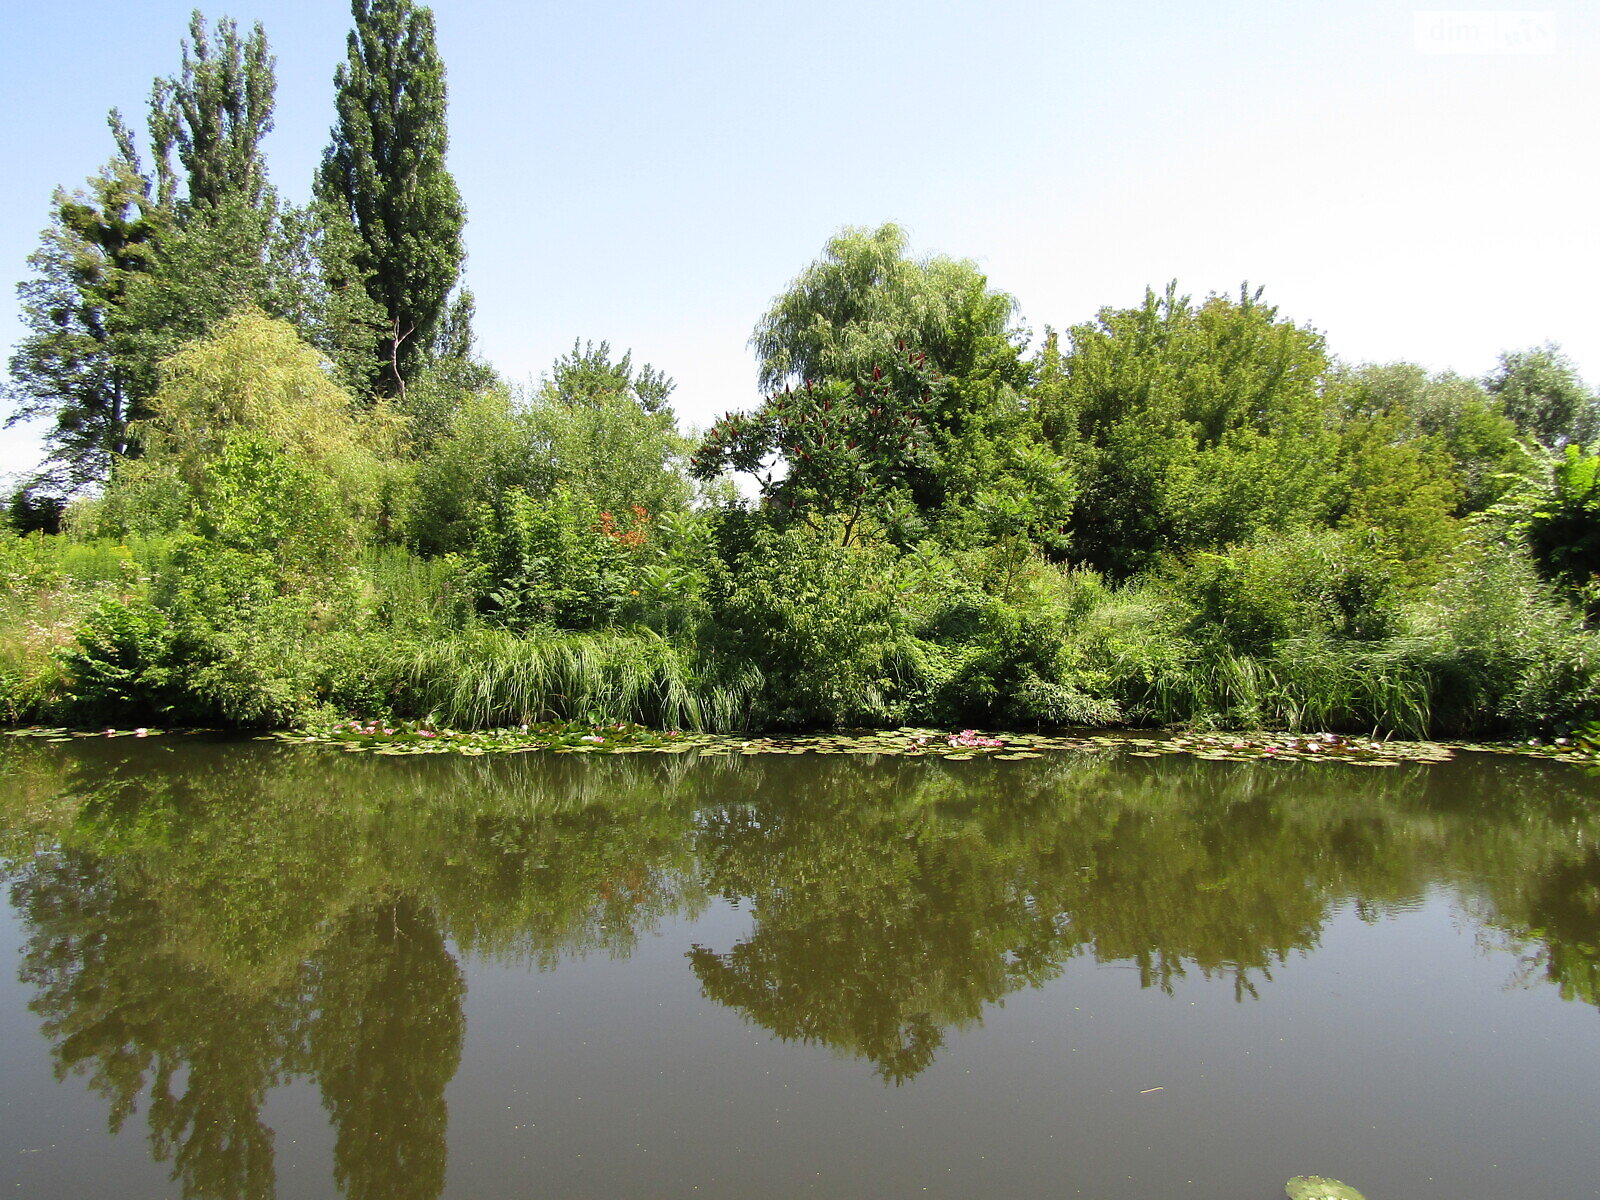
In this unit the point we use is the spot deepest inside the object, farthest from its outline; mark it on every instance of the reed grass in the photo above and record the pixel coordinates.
(491, 677)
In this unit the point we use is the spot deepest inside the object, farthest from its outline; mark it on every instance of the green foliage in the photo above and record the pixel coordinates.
(214, 114)
(69, 366)
(1317, 584)
(213, 265)
(903, 397)
(314, 284)
(1500, 653)
(1541, 391)
(254, 374)
(555, 561)
(597, 428)
(864, 301)
(817, 613)
(1563, 529)
(484, 453)
(1193, 427)
(496, 677)
(32, 510)
(1399, 492)
(416, 596)
(131, 271)
(260, 499)
(850, 451)
(1483, 443)
(120, 667)
(606, 430)
(385, 168)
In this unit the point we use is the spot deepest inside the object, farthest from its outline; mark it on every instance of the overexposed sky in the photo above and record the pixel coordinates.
(1418, 184)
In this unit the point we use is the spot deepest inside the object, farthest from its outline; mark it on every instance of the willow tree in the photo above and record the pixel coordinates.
(385, 169)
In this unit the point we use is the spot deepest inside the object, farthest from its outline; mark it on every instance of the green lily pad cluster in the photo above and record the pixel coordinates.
(905, 742)
(420, 737)
(1581, 747)
(50, 733)
(1315, 1187)
(1315, 747)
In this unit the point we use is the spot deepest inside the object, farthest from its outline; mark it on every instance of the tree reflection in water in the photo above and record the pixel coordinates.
(206, 926)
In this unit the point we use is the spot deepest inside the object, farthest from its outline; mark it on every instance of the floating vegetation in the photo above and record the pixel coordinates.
(379, 736)
(420, 737)
(1363, 752)
(50, 733)
(1582, 747)
(405, 737)
(1315, 1187)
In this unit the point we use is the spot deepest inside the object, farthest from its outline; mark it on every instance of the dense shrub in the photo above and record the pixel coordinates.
(821, 621)
(1304, 583)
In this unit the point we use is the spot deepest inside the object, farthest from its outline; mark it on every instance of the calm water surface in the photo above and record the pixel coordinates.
(250, 970)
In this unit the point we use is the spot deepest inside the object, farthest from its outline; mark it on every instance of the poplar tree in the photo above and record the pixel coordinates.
(385, 167)
(214, 113)
(213, 260)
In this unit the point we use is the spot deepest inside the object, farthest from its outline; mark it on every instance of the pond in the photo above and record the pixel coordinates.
(248, 969)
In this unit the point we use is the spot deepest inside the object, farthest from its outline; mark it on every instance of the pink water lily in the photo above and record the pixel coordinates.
(971, 739)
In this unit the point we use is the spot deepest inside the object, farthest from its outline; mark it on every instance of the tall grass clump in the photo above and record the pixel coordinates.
(1503, 652)
(490, 677)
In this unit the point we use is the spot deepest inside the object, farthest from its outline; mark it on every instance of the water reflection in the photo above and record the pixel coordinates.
(206, 922)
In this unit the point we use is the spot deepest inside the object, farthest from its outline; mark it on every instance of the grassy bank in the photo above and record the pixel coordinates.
(138, 632)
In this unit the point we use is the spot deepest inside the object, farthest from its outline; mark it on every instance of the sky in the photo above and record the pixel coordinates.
(1419, 185)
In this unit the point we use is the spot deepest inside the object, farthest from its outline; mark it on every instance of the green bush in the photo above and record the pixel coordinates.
(821, 621)
(555, 562)
(121, 665)
(1319, 583)
(1503, 652)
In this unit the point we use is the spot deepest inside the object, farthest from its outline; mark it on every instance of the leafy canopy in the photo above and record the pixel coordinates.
(1193, 426)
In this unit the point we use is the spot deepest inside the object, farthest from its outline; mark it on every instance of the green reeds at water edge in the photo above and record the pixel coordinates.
(494, 678)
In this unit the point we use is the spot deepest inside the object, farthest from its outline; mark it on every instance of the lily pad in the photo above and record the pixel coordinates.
(1315, 1187)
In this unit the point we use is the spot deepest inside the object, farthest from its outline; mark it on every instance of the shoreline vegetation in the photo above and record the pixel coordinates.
(283, 489)
(413, 738)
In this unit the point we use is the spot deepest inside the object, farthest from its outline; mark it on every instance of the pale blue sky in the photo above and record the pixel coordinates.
(654, 173)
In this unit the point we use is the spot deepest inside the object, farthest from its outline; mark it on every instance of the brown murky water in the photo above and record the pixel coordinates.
(251, 970)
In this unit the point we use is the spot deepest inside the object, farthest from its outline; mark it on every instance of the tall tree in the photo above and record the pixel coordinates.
(866, 299)
(386, 168)
(215, 259)
(70, 365)
(214, 113)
